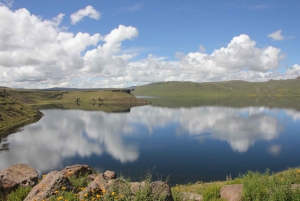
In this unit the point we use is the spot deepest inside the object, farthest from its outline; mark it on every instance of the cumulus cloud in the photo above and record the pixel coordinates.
(276, 35)
(36, 50)
(89, 11)
(37, 53)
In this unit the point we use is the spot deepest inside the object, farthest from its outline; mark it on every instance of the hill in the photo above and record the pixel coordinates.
(14, 114)
(94, 96)
(275, 88)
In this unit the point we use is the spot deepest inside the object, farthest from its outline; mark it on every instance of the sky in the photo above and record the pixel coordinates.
(123, 43)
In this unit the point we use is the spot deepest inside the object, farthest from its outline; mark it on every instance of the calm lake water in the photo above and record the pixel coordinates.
(189, 144)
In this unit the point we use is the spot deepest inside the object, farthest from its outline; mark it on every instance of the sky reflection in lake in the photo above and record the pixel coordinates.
(208, 142)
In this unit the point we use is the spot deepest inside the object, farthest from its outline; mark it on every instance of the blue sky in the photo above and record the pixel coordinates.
(112, 43)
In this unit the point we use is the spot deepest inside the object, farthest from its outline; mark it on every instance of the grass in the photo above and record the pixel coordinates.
(272, 88)
(257, 186)
(14, 114)
(19, 194)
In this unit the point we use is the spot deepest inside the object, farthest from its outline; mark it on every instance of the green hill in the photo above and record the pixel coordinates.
(14, 114)
(38, 97)
(272, 88)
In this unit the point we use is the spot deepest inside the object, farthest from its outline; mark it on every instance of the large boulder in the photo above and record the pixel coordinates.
(77, 170)
(53, 183)
(17, 175)
(232, 192)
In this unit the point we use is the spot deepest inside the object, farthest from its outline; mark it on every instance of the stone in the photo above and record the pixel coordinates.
(91, 177)
(232, 192)
(136, 186)
(77, 170)
(17, 175)
(191, 197)
(52, 183)
(110, 175)
(161, 191)
(99, 184)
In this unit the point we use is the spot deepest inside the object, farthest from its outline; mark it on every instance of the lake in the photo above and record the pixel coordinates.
(200, 143)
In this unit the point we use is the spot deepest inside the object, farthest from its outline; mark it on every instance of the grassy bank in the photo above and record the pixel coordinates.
(282, 186)
(272, 88)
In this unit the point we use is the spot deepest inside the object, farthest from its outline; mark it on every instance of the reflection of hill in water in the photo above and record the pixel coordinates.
(105, 107)
(237, 102)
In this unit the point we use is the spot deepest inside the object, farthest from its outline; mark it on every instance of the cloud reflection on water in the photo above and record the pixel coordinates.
(63, 134)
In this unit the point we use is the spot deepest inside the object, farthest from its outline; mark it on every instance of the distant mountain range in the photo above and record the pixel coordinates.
(289, 87)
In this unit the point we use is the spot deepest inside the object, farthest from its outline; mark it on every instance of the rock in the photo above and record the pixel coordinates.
(110, 175)
(77, 170)
(91, 177)
(53, 182)
(108, 182)
(191, 196)
(136, 186)
(17, 175)
(161, 191)
(295, 186)
(232, 192)
(99, 184)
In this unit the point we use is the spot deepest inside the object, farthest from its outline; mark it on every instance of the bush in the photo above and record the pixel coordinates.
(211, 193)
(19, 194)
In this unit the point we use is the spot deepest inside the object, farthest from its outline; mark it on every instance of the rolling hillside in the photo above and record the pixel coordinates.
(38, 97)
(275, 88)
(14, 114)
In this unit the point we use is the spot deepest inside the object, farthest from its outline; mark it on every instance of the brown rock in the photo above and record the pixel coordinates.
(99, 184)
(54, 181)
(17, 175)
(232, 192)
(191, 196)
(110, 175)
(77, 170)
(91, 177)
(295, 186)
(136, 186)
(161, 191)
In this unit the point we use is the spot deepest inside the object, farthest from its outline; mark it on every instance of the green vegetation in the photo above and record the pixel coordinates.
(14, 114)
(272, 88)
(19, 194)
(282, 186)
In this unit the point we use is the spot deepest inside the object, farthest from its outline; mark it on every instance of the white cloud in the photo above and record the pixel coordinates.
(276, 35)
(202, 48)
(7, 3)
(135, 7)
(89, 11)
(36, 52)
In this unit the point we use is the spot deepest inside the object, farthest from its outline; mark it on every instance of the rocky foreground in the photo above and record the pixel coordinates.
(23, 175)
